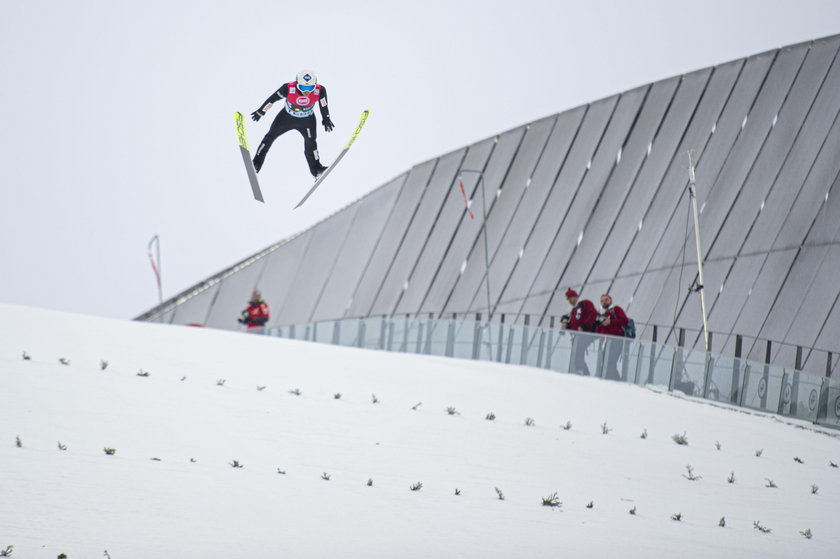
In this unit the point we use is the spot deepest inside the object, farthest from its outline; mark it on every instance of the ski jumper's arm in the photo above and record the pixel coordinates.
(323, 105)
(276, 96)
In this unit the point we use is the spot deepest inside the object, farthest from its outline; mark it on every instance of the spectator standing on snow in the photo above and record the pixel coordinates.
(256, 315)
(611, 322)
(581, 319)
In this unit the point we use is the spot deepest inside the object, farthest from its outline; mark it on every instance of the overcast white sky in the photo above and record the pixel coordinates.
(117, 120)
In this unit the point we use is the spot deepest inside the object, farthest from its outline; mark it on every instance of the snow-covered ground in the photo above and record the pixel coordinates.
(215, 399)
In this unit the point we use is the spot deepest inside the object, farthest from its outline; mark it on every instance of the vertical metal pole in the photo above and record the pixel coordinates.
(360, 342)
(766, 373)
(501, 341)
(794, 386)
(693, 193)
(476, 336)
(736, 369)
(156, 267)
(523, 355)
(482, 184)
(550, 345)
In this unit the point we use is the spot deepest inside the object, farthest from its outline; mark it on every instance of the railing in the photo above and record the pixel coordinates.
(730, 380)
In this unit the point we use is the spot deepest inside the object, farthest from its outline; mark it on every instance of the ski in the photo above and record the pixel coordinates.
(327, 171)
(246, 155)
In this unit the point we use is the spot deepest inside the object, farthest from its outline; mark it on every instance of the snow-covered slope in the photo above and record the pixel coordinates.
(171, 489)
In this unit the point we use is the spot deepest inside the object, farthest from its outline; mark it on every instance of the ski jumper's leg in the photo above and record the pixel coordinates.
(283, 122)
(309, 131)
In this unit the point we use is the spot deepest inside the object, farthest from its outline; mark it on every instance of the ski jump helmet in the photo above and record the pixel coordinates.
(306, 80)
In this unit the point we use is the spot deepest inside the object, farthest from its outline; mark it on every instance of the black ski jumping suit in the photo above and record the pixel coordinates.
(298, 114)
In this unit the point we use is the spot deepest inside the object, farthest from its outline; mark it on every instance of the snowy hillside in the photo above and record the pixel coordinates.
(330, 441)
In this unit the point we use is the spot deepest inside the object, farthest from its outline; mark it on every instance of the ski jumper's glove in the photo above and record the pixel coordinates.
(328, 124)
(257, 115)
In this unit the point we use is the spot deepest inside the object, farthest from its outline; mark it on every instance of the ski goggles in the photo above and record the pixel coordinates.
(306, 88)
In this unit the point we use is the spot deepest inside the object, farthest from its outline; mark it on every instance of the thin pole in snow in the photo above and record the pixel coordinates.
(486, 248)
(698, 287)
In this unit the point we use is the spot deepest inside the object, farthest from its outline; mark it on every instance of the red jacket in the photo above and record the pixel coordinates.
(617, 320)
(256, 315)
(583, 316)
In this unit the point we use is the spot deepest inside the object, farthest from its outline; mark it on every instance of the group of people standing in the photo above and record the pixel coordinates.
(584, 317)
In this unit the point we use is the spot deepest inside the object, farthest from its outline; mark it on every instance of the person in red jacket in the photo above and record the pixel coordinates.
(611, 322)
(256, 315)
(581, 319)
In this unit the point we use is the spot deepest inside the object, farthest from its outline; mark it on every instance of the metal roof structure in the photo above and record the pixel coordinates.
(596, 198)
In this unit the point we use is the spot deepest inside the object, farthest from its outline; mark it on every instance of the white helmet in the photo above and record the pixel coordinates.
(306, 80)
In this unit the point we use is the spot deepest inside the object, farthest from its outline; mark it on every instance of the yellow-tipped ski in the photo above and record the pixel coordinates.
(240, 130)
(320, 179)
(361, 125)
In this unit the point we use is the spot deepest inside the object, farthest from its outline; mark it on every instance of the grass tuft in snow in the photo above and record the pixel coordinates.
(832, 464)
(295, 392)
(529, 422)
(109, 451)
(722, 522)
(691, 476)
(221, 382)
(103, 364)
(18, 442)
(677, 516)
(337, 396)
(374, 399)
(142, 373)
(64, 361)
(633, 510)
(61, 446)
(552, 501)
(731, 478)
(325, 476)
(590, 505)
(457, 492)
(490, 416)
(798, 460)
(260, 388)
(771, 483)
(26, 356)
(806, 533)
(567, 426)
(370, 482)
(644, 434)
(236, 464)
(717, 445)
(814, 488)
(417, 405)
(416, 486)
(680, 439)
(763, 529)
(452, 411)
(499, 494)
(281, 471)
(604, 429)
(759, 452)
(7, 552)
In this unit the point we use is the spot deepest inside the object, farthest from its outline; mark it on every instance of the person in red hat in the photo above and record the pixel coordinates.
(256, 315)
(611, 322)
(581, 319)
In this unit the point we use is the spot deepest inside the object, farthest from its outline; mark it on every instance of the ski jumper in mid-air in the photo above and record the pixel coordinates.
(301, 95)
